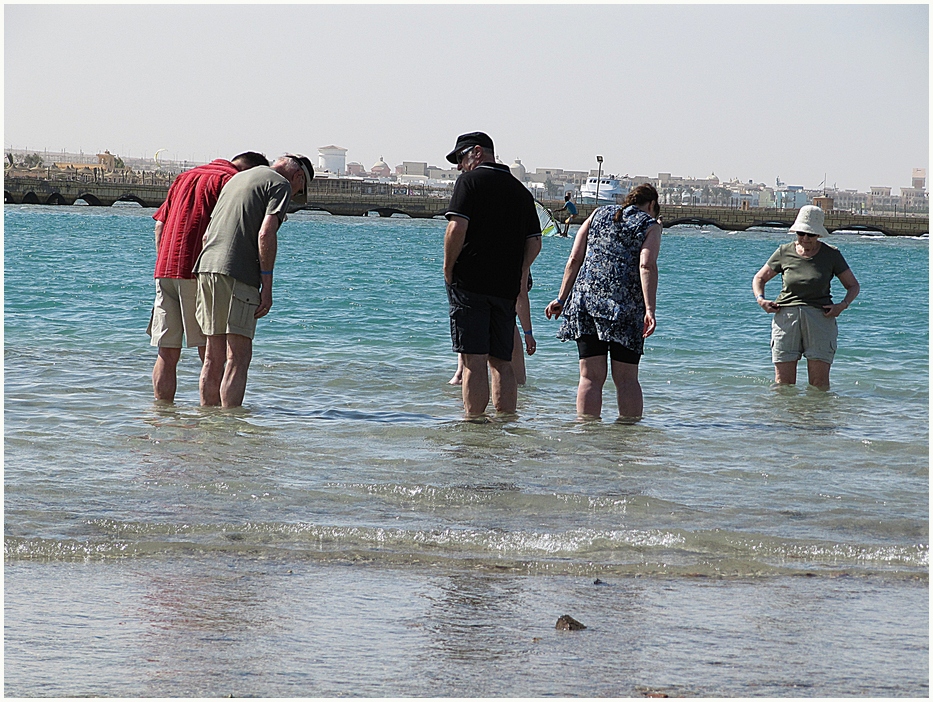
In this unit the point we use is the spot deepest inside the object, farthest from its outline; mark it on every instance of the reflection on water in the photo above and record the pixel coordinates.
(242, 626)
(472, 618)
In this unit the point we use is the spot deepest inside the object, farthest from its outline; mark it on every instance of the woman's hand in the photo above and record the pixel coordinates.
(650, 324)
(554, 308)
(768, 305)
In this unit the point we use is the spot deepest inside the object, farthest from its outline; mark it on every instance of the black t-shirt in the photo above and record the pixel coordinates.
(501, 213)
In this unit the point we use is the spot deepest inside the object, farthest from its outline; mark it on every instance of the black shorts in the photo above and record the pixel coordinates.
(481, 324)
(590, 345)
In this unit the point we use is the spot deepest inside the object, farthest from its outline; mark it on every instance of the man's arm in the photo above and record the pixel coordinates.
(453, 244)
(161, 214)
(532, 249)
(268, 247)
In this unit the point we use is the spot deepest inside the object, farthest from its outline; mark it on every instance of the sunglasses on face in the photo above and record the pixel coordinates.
(807, 234)
(462, 154)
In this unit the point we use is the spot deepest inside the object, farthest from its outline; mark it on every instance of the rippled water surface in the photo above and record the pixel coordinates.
(345, 533)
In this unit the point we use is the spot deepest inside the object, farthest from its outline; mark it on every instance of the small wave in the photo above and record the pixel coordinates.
(586, 551)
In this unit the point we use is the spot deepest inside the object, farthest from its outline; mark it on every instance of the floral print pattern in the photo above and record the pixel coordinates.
(607, 298)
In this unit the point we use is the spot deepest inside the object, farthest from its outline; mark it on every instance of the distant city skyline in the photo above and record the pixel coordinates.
(90, 157)
(753, 92)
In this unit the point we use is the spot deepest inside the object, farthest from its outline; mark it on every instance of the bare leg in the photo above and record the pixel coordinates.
(475, 384)
(785, 373)
(818, 373)
(458, 376)
(164, 374)
(518, 358)
(239, 355)
(212, 372)
(628, 391)
(504, 387)
(593, 372)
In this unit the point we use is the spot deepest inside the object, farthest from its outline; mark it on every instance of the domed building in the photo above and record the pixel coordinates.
(518, 170)
(381, 169)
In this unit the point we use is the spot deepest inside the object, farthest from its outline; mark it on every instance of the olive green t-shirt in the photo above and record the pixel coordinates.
(807, 280)
(231, 243)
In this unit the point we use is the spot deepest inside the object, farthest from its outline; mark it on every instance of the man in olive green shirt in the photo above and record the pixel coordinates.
(235, 271)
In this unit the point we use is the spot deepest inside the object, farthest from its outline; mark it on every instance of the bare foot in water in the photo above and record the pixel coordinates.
(458, 376)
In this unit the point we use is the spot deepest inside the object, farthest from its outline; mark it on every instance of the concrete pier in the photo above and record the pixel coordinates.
(359, 198)
(735, 219)
(42, 191)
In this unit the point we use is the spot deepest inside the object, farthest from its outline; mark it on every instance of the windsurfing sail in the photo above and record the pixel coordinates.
(549, 225)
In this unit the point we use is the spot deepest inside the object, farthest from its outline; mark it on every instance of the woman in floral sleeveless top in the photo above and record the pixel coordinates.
(607, 298)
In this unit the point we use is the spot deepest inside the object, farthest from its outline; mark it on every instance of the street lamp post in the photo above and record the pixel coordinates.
(599, 176)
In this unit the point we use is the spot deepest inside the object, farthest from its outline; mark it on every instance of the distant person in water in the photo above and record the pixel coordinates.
(180, 225)
(492, 236)
(804, 321)
(607, 299)
(523, 312)
(235, 270)
(571, 210)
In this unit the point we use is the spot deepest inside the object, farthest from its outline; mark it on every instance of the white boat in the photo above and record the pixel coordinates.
(609, 187)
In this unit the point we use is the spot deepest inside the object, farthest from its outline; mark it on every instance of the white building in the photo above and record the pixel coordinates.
(332, 158)
(411, 179)
(790, 197)
(444, 175)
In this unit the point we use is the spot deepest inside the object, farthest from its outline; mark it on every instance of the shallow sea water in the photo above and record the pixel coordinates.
(345, 533)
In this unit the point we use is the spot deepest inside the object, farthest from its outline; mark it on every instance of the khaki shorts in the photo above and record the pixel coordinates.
(226, 305)
(803, 330)
(173, 314)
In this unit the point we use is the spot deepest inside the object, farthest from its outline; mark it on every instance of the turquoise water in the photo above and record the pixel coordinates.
(346, 534)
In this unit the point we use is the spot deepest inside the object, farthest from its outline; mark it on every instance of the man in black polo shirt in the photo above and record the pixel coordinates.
(492, 237)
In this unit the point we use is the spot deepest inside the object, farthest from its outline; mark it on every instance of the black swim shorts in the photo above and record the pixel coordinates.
(590, 345)
(481, 324)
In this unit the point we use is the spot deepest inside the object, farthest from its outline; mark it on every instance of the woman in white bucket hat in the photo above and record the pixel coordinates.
(804, 321)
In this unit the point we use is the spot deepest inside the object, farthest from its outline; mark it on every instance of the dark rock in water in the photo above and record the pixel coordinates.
(568, 623)
(600, 582)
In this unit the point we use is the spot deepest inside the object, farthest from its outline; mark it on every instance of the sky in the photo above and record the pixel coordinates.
(756, 92)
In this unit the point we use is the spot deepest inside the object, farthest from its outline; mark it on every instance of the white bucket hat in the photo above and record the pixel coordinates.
(810, 221)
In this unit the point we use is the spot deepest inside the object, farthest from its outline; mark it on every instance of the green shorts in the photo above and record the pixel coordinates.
(226, 305)
(803, 330)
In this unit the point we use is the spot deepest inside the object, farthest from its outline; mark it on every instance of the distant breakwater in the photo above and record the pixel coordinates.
(360, 198)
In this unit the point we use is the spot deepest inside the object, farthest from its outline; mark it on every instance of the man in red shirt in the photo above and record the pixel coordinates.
(179, 230)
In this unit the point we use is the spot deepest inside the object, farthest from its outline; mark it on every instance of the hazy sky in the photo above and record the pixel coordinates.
(747, 91)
